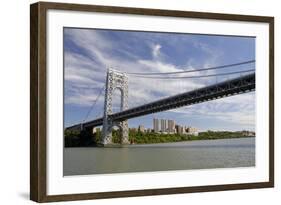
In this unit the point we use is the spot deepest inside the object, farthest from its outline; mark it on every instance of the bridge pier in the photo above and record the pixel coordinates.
(107, 132)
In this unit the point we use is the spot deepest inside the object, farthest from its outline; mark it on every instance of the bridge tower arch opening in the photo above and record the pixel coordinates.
(117, 132)
(115, 80)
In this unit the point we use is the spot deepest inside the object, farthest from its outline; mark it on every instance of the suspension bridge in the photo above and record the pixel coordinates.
(242, 82)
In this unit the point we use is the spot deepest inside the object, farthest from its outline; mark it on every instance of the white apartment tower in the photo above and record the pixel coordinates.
(171, 126)
(156, 125)
(164, 125)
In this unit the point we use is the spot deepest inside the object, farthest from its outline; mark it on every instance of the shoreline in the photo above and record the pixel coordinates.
(116, 145)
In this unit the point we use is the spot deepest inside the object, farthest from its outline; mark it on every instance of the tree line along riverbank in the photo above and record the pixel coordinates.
(87, 139)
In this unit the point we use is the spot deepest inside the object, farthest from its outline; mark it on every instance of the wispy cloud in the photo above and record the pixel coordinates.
(156, 50)
(89, 53)
(239, 110)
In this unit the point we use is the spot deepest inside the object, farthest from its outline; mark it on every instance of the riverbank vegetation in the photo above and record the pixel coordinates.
(145, 138)
(87, 139)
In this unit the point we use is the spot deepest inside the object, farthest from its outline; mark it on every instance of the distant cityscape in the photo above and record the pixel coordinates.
(167, 126)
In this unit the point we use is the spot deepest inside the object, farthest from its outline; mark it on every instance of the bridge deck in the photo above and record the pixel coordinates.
(227, 88)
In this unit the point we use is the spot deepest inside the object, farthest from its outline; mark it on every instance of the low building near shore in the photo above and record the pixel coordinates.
(192, 131)
(141, 129)
(247, 133)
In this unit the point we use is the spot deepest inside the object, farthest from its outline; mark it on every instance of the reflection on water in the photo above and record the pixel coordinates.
(224, 153)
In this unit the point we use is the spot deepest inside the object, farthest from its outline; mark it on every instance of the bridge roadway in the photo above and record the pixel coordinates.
(226, 88)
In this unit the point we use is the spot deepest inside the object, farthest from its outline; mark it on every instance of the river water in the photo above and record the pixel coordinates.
(201, 154)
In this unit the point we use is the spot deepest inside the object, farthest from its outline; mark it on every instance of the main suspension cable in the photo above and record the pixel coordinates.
(197, 76)
(190, 71)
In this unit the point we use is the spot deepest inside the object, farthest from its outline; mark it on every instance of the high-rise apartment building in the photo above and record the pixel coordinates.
(156, 125)
(171, 126)
(164, 125)
(180, 129)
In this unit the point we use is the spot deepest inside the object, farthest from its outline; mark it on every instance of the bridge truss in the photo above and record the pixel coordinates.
(226, 88)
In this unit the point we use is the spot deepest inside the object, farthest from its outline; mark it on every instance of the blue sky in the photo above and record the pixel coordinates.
(88, 53)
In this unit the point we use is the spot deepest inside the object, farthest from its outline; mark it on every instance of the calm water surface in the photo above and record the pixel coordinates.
(224, 153)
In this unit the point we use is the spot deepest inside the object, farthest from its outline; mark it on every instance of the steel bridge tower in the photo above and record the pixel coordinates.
(115, 80)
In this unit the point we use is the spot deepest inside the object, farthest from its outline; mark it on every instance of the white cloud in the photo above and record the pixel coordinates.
(156, 50)
(80, 70)
(238, 109)
(158, 66)
(85, 72)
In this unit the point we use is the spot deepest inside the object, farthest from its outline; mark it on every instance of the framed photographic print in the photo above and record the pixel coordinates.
(134, 102)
